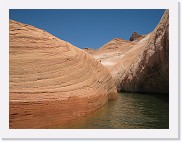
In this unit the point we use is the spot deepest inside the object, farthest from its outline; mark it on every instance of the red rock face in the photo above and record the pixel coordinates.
(51, 81)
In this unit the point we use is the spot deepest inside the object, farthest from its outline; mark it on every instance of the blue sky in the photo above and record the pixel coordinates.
(90, 28)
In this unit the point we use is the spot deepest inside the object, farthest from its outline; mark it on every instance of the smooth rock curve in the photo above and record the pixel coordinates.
(51, 81)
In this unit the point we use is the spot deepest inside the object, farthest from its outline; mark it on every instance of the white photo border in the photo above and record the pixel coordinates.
(171, 133)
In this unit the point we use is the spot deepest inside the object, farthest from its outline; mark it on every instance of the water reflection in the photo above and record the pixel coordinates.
(130, 111)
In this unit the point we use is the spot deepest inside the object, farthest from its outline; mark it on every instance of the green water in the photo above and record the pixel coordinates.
(129, 111)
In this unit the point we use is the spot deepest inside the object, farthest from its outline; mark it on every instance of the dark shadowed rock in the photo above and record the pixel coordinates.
(135, 36)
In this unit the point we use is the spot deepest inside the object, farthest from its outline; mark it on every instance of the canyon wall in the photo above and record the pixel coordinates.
(140, 64)
(51, 81)
(149, 72)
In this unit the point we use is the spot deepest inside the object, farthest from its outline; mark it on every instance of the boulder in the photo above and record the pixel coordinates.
(135, 36)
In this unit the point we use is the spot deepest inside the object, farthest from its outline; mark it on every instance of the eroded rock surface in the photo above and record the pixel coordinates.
(135, 36)
(89, 50)
(141, 64)
(112, 52)
(51, 81)
(149, 72)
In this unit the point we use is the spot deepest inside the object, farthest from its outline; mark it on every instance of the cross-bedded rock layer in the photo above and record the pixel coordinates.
(51, 81)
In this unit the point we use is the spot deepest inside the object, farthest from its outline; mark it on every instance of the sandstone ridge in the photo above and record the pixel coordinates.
(51, 81)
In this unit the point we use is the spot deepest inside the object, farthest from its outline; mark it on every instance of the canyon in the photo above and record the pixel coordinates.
(53, 82)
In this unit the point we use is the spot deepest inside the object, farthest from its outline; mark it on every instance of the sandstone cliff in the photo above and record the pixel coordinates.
(149, 72)
(51, 81)
(141, 64)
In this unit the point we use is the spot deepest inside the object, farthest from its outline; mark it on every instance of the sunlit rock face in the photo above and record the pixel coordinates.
(149, 71)
(51, 81)
(112, 52)
(141, 64)
(89, 50)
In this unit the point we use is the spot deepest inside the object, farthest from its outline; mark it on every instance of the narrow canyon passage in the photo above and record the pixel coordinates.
(55, 84)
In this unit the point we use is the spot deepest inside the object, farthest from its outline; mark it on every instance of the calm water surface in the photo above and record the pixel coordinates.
(130, 111)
